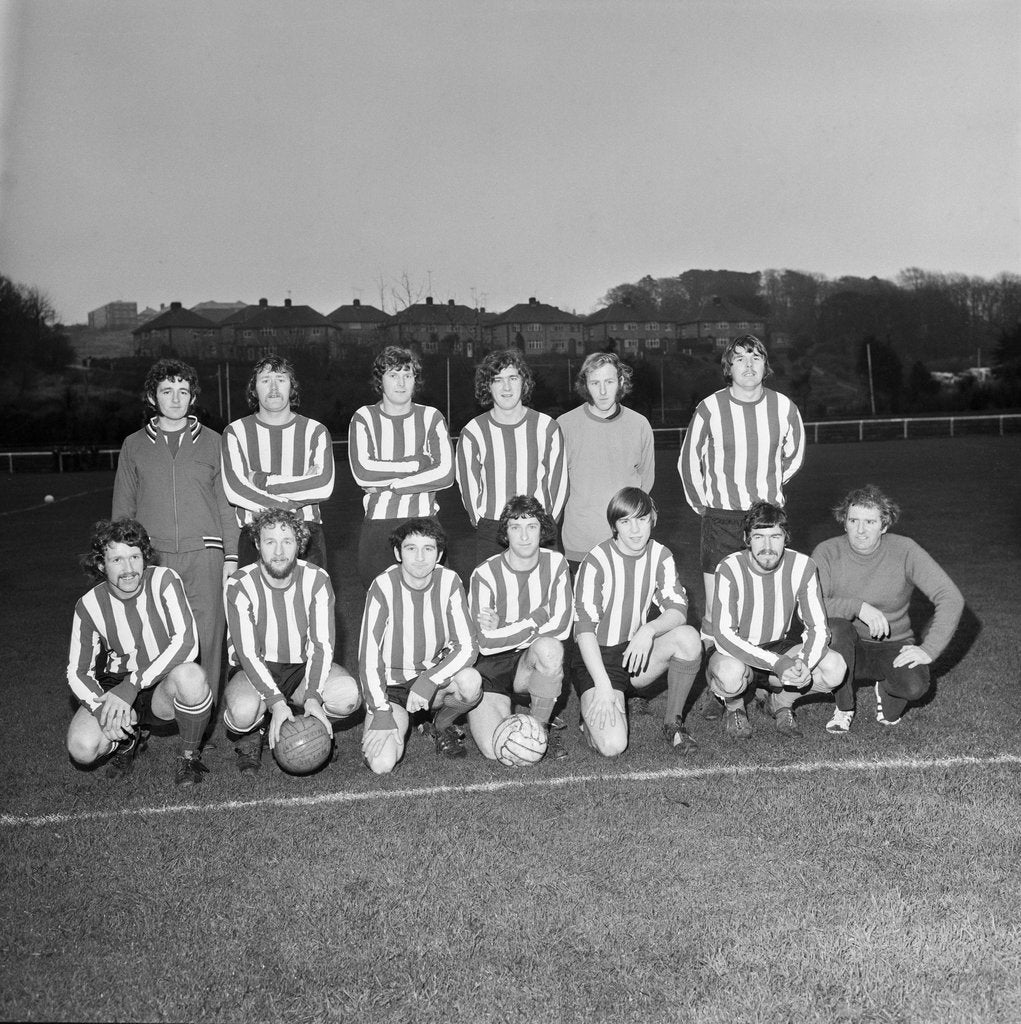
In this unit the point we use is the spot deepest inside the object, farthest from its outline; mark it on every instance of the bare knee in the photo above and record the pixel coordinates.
(728, 677)
(340, 697)
(547, 655)
(189, 683)
(243, 705)
(467, 685)
(684, 644)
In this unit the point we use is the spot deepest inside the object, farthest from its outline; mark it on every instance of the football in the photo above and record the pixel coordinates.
(303, 746)
(519, 741)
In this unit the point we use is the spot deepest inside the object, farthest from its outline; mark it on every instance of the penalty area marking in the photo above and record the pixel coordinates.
(496, 785)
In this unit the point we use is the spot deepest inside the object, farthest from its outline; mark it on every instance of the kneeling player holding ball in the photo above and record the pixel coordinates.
(618, 581)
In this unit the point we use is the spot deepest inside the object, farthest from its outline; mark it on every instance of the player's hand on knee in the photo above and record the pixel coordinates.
(603, 711)
(910, 656)
(375, 742)
(637, 652)
(114, 717)
(279, 714)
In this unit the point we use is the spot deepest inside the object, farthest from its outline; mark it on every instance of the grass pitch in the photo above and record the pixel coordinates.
(872, 877)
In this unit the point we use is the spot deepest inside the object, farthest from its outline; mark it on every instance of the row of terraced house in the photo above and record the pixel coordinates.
(237, 331)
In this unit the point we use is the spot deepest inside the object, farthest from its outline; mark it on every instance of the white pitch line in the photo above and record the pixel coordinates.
(346, 797)
(56, 501)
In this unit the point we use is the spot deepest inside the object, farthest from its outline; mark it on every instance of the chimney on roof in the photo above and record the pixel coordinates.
(357, 302)
(287, 302)
(428, 300)
(532, 301)
(482, 309)
(717, 301)
(450, 302)
(175, 305)
(263, 303)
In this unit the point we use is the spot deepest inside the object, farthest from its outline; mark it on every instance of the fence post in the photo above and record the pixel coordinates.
(861, 430)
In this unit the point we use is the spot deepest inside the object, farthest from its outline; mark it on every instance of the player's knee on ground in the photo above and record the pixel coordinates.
(340, 693)
(387, 759)
(728, 677)
(609, 742)
(85, 740)
(243, 707)
(189, 683)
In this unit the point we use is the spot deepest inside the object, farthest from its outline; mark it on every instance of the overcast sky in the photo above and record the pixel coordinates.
(179, 150)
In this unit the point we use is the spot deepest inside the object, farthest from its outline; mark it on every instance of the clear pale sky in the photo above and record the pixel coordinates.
(182, 150)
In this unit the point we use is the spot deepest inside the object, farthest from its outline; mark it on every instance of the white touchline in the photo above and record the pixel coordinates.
(346, 797)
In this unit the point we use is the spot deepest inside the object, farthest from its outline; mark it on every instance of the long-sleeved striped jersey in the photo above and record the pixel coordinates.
(736, 453)
(752, 608)
(145, 636)
(411, 452)
(290, 625)
(614, 591)
(414, 638)
(271, 466)
(496, 461)
(530, 603)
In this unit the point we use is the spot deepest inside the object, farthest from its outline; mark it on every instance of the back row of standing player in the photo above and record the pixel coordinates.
(594, 468)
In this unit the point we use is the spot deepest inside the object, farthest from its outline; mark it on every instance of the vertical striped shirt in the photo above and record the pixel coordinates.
(411, 453)
(287, 625)
(270, 466)
(145, 636)
(752, 608)
(496, 461)
(414, 638)
(736, 453)
(614, 591)
(530, 603)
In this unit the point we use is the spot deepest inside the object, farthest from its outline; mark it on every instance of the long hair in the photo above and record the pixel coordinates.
(628, 502)
(169, 369)
(870, 496)
(523, 506)
(749, 343)
(395, 358)
(115, 531)
(275, 364)
(594, 362)
(496, 362)
(762, 515)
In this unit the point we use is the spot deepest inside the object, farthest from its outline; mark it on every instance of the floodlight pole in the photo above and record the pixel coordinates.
(872, 390)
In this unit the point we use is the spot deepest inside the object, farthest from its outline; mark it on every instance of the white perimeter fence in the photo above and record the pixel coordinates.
(63, 458)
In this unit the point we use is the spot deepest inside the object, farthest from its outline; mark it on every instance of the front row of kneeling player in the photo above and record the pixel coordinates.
(426, 647)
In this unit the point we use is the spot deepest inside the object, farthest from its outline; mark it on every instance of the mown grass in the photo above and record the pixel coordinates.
(863, 893)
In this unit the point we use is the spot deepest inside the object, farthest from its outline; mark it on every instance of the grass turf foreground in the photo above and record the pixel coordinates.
(872, 877)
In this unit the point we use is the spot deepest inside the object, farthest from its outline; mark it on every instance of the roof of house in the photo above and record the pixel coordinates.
(356, 313)
(218, 311)
(535, 312)
(265, 315)
(430, 312)
(175, 316)
(618, 313)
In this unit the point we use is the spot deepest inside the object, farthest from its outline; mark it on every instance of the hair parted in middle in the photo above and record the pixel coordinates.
(629, 502)
(273, 363)
(267, 518)
(762, 516)
(169, 369)
(869, 496)
(749, 343)
(497, 362)
(596, 361)
(115, 531)
(524, 506)
(393, 357)
(423, 526)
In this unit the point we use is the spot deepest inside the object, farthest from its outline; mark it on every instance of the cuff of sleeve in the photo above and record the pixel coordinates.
(230, 558)
(382, 719)
(126, 691)
(425, 687)
(784, 662)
